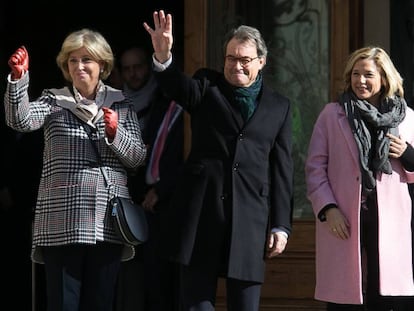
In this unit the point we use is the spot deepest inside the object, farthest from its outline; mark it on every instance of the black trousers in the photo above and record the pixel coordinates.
(149, 281)
(199, 286)
(81, 277)
(161, 276)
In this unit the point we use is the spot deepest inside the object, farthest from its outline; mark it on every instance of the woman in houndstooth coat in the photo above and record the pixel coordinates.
(72, 232)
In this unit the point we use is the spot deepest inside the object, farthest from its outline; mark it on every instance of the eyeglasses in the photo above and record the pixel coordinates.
(244, 61)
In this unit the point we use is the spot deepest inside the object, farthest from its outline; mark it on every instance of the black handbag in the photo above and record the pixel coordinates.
(129, 219)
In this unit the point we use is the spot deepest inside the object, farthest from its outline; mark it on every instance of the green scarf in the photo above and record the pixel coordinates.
(246, 97)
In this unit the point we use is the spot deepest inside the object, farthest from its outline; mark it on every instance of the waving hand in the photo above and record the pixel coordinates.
(161, 35)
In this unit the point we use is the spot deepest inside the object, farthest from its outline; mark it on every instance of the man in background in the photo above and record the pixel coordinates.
(149, 282)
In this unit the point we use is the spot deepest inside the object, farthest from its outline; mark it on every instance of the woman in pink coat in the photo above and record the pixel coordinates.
(360, 161)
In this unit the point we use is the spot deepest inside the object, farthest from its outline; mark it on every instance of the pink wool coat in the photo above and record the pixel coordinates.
(333, 176)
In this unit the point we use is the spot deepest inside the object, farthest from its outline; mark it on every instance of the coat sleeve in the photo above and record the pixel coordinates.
(319, 190)
(282, 174)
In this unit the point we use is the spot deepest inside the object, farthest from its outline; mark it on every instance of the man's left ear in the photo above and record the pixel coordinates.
(262, 62)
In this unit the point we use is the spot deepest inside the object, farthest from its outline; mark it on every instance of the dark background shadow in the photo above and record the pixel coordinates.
(41, 28)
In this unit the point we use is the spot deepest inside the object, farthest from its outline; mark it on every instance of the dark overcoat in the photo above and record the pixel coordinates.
(237, 181)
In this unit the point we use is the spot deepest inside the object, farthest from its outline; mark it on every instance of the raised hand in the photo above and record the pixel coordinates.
(111, 122)
(161, 36)
(19, 63)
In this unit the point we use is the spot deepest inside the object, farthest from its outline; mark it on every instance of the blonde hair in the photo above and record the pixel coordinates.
(94, 43)
(389, 74)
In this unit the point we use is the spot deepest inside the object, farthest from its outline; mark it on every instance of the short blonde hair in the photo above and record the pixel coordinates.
(94, 43)
(389, 74)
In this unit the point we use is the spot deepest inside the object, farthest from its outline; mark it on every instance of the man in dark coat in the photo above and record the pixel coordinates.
(233, 205)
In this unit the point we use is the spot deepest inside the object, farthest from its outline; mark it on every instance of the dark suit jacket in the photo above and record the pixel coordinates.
(238, 180)
(172, 157)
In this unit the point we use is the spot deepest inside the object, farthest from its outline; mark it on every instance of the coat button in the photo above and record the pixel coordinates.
(223, 197)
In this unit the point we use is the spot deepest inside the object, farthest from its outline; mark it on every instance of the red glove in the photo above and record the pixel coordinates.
(111, 122)
(19, 63)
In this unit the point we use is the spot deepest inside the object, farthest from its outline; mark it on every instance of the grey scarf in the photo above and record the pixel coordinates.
(370, 125)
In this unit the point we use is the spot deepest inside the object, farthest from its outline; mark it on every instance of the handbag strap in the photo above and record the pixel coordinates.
(88, 131)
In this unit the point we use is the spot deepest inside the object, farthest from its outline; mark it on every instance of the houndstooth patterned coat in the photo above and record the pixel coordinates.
(72, 197)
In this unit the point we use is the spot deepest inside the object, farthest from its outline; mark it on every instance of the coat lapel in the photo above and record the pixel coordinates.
(347, 132)
(228, 100)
